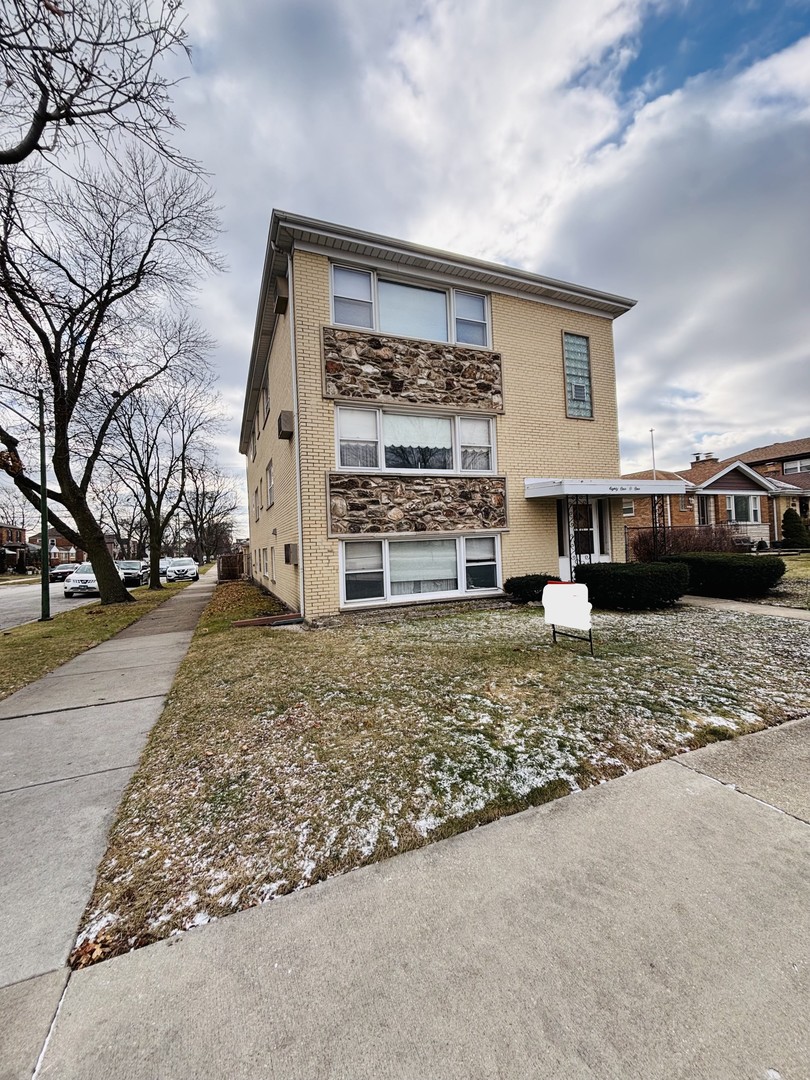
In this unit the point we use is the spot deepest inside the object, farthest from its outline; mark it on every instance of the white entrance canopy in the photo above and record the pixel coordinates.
(544, 488)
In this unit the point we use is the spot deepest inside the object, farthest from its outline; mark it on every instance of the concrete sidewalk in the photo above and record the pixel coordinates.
(776, 612)
(657, 926)
(68, 745)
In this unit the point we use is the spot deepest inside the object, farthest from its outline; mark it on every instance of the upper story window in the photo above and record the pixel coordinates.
(366, 299)
(577, 358)
(376, 439)
(801, 465)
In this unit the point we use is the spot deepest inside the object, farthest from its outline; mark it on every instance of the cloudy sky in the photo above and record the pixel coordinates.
(659, 149)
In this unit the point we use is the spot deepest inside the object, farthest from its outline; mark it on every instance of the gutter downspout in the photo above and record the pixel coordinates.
(299, 497)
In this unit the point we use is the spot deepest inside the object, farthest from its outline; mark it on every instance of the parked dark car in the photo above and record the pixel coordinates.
(164, 566)
(63, 570)
(133, 571)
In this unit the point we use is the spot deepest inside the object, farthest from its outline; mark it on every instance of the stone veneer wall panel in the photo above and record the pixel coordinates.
(393, 370)
(362, 503)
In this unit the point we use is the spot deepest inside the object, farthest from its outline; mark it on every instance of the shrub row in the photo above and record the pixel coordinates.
(730, 575)
(633, 586)
(646, 586)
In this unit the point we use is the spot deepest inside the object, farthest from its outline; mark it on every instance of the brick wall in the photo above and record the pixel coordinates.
(536, 438)
(283, 514)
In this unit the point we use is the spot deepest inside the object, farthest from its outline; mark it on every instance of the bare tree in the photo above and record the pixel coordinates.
(79, 70)
(94, 280)
(15, 509)
(155, 436)
(119, 513)
(209, 502)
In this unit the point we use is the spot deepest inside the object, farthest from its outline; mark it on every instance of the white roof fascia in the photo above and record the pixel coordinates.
(444, 280)
(546, 488)
(300, 230)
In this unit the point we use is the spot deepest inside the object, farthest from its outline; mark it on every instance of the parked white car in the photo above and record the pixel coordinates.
(182, 570)
(82, 581)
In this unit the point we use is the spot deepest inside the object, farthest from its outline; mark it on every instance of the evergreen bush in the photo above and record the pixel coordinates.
(794, 531)
(633, 586)
(730, 576)
(528, 587)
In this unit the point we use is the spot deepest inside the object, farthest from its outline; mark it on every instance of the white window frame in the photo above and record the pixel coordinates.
(754, 509)
(456, 419)
(628, 507)
(273, 564)
(801, 465)
(270, 484)
(256, 504)
(389, 599)
(430, 286)
(264, 562)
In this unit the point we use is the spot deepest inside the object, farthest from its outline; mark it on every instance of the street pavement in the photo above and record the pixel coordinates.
(23, 603)
(68, 745)
(656, 926)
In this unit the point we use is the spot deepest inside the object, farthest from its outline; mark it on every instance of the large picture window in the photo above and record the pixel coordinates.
(743, 509)
(403, 442)
(372, 301)
(396, 570)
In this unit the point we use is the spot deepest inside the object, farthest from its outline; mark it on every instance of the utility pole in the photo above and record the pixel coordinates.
(652, 444)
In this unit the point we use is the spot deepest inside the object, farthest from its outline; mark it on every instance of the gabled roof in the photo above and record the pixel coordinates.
(775, 452)
(647, 474)
(288, 230)
(723, 469)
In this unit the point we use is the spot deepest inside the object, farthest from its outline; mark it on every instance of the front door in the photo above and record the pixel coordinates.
(586, 527)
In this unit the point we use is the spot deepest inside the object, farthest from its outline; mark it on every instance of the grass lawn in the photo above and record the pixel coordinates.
(28, 652)
(19, 579)
(794, 588)
(286, 756)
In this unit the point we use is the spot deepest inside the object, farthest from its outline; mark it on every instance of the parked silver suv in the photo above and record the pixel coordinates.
(182, 570)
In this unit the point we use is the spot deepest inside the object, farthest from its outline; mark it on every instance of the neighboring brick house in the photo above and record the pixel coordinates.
(12, 536)
(422, 426)
(727, 492)
(788, 462)
(60, 550)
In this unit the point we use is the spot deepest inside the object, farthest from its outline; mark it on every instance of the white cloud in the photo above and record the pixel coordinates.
(503, 132)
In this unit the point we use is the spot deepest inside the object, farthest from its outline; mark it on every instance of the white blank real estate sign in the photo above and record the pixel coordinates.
(567, 605)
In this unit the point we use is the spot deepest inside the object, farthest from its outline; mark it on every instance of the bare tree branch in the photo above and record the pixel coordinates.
(87, 70)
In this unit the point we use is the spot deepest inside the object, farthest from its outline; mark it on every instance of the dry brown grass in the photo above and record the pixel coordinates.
(286, 756)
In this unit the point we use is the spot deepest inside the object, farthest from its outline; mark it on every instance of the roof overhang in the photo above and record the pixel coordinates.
(545, 488)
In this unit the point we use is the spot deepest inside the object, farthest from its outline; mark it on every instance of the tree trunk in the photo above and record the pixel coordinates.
(154, 558)
(110, 585)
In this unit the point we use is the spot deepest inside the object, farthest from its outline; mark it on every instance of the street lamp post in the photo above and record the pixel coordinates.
(43, 505)
(44, 551)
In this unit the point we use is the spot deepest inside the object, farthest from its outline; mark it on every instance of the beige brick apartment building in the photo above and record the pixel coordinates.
(421, 426)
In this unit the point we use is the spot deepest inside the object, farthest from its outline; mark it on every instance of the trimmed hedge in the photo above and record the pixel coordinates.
(633, 586)
(730, 576)
(528, 587)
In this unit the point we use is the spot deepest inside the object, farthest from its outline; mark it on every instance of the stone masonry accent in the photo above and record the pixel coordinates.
(364, 503)
(372, 367)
